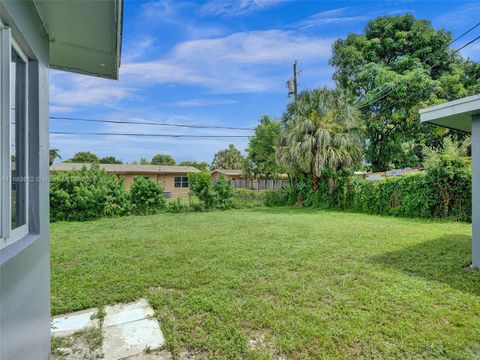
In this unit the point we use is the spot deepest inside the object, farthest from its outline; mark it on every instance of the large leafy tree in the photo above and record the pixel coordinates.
(322, 131)
(230, 158)
(84, 157)
(200, 165)
(110, 160)
(396, 66)
(163, 159)
(261, 149)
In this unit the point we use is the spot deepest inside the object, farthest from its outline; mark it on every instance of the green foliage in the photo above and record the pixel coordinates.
(110, 160)
(246, 198)
(223, 193)
(146, 196)
(443, 190)
(322, 131)
(200, 165)
(411, 57)
(230, 158)
(84, 157)
(261, 160)
(218, 195)
(176, 206)
(163, 159)
(201, 187)
(86, 194)
(53, 154)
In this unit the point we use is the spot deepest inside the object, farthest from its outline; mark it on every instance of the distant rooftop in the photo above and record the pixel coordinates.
(228, 172)
(128, 169)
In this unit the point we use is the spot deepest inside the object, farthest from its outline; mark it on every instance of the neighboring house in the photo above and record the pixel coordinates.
(173, 178)
(36, 35)
(235, 174)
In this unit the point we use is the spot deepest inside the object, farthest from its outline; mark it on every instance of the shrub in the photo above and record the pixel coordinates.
(201, 187)
(146, 197)
(246, 198)
(176, 206)
(223, 194)
(218, 195)
(438, 194)
(86, 195)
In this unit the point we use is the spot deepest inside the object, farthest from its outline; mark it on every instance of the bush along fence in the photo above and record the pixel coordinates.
(424, 195)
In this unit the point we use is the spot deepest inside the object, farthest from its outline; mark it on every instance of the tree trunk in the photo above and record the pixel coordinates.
(315, 183)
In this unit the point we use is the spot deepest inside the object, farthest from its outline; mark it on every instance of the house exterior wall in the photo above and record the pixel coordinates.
(25, 264)
(167, 180)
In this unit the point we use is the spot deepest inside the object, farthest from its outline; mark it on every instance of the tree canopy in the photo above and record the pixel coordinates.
(200, 165)
(228, 159)
(322, 131)
(261, 149)
(84, 157)
(110, 160)
(162, 159)
(396, 66)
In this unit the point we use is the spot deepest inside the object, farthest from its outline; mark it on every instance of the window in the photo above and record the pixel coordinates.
(13, 141)
(181, 181)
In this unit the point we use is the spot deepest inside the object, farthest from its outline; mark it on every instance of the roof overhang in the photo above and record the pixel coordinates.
(455, 115)
(85, 36)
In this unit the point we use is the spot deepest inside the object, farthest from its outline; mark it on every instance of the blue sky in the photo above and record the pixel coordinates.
(218, 63)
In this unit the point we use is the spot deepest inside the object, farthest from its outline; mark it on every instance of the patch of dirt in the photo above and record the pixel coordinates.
(83, 345)
(259, 342)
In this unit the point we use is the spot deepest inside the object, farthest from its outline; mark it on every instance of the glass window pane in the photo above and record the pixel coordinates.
(18, 141)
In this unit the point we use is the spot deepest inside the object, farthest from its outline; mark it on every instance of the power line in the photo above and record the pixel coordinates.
(431, 67)
(470, 42)
(152, 135)
(465, 33)
(151, 123)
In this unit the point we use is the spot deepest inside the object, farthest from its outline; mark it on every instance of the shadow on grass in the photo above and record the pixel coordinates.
(441, 260)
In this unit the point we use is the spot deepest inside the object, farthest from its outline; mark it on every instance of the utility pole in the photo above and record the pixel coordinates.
(295, 81)
(292, 83)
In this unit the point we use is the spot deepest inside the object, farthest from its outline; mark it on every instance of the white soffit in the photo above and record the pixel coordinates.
(455, 115)
(85, 35)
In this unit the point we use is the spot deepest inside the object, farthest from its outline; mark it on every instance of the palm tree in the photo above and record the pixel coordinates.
(322, 130)
(54, 154)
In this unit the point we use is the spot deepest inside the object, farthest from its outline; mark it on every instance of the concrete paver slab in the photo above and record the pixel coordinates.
(123, 313)
(64, 325)
(131, 338)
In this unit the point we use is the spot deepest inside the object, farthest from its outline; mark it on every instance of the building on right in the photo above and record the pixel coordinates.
(463, 115)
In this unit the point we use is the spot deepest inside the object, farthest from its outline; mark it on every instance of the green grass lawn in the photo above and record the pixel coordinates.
(280, 283)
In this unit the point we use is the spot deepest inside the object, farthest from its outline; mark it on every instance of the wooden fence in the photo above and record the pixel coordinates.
(260, 184)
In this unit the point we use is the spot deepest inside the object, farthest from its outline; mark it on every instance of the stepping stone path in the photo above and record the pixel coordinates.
(129, 331)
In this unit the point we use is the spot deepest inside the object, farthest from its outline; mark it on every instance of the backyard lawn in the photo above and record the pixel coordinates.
(280, 282)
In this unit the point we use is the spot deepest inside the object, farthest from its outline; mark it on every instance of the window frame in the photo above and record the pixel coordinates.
(8, 44)
(183, 180)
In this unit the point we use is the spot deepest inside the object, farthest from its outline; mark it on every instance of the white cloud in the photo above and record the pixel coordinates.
(335, 16)
(238, 63)
(231, 8)
(202, 102)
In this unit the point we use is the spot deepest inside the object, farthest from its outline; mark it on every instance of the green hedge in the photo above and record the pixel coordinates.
(87, 194)
(422, 195)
